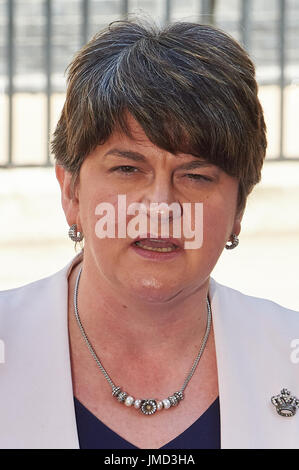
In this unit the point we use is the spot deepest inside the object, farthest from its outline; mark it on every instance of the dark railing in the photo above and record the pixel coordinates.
(207, 15)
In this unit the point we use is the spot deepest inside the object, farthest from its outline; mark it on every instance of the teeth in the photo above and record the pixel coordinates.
(150, 248)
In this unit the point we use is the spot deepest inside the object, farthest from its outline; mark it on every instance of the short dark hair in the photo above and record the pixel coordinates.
(190, 86)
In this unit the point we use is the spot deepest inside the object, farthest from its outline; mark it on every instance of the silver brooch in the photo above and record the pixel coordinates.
(285, 403)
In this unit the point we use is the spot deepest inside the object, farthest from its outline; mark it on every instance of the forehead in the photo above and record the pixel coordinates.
(135, 141)
(135, 136)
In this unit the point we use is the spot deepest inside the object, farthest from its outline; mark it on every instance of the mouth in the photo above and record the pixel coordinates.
(160, 244)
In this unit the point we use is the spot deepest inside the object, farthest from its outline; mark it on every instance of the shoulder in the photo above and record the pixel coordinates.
(254, 333)
(253, 310)
(37, 304)
(33, 310)
(19, 298)
(16, 297)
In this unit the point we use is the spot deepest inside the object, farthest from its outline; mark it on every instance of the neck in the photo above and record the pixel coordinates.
(115, 319)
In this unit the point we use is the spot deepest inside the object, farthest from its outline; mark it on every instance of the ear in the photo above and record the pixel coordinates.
(237, 223)
(69, 201)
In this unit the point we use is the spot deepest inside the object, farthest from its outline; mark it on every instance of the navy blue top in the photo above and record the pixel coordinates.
(204, 433)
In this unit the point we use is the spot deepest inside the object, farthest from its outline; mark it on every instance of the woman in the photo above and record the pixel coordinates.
(132, 344)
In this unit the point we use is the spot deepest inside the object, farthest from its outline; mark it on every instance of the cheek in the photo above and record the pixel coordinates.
(217, 225)
(218, 220)
(118, 218)
(90, 200)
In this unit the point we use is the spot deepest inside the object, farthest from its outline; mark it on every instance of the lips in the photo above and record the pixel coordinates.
(152, 242)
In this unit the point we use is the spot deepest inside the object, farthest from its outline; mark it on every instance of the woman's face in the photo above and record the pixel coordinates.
(144, 173)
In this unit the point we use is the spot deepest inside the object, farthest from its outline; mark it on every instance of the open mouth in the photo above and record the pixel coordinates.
(157, 244)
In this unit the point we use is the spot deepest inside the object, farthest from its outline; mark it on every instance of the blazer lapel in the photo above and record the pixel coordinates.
(36, 394)
(252, 339)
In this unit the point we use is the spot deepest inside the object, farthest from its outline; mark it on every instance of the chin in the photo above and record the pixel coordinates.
(150, 289)
(153, 290)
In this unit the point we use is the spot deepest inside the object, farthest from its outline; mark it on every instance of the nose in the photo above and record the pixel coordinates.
(159, 198)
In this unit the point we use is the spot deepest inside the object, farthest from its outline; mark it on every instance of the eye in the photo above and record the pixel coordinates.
(196, 177)
(125, 169)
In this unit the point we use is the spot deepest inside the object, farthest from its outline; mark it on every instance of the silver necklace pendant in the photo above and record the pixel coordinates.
(285, 403)
(148, 407)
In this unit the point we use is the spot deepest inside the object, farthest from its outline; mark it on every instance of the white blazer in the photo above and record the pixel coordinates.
(253, 347)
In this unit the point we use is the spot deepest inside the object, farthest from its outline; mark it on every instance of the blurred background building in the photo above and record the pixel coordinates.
(38, 38)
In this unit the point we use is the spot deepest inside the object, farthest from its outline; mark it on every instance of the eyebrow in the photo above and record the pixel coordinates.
(138, 157)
